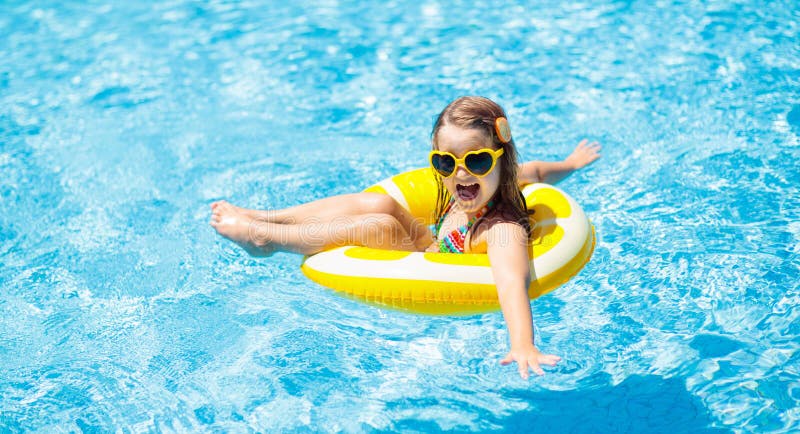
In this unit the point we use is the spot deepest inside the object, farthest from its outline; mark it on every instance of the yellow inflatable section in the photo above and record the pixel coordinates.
(455, 284)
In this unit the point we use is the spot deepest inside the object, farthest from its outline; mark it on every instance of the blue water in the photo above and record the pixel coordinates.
(120, 309)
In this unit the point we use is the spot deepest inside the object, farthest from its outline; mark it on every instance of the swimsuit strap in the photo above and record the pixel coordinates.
(454, 241)
(444, 214)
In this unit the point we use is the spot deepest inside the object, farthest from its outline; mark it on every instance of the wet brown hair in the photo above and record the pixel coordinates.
(480, 113)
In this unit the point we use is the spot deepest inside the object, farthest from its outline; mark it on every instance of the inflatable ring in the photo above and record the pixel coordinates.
(449, 283)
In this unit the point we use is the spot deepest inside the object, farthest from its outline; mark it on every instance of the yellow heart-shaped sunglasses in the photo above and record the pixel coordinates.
(478, 163)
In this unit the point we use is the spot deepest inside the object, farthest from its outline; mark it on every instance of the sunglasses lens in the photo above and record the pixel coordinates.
(444, 164)
(480, 163)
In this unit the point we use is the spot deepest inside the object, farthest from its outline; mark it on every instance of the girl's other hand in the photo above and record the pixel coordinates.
(584, 154)
(529, 358)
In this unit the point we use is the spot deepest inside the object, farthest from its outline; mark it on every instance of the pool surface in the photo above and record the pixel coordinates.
(122, 310)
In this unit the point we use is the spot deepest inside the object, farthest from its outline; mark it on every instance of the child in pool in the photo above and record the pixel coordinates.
(480, 210)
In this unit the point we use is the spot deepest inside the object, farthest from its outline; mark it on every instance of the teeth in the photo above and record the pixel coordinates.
(467, 191)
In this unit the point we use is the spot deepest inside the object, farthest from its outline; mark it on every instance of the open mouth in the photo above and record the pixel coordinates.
(467, 192)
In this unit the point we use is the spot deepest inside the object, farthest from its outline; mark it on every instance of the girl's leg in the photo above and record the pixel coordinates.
(347, 205)
(325, 209)
(260, 238)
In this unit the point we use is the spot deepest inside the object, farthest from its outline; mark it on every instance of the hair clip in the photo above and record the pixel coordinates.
(502, 129)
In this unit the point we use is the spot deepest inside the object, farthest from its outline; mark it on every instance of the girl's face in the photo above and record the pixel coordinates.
(470, 192)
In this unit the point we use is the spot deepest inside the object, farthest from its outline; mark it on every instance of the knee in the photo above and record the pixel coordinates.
(380, 230)
(378, 203)
(381, 223)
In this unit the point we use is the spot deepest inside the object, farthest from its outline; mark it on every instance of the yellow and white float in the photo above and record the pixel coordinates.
(450, 283)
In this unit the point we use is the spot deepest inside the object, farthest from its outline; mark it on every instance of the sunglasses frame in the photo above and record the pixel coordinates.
(495, 153)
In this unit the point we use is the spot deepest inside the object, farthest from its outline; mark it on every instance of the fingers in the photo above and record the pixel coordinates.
(585, 153)
(524, 365)
(549, 359)
(536, 362)
(584, 145)
(523, 369)
(536, 367)
(530, 363)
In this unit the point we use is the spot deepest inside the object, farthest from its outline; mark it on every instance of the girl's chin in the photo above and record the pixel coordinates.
(471, 205)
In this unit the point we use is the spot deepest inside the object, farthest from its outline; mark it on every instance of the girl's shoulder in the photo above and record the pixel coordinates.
(501, 223)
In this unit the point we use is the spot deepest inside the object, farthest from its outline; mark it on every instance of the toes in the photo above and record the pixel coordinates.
(219, 204)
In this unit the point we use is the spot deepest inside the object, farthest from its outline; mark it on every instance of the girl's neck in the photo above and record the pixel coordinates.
(480, 210)
(472, 214)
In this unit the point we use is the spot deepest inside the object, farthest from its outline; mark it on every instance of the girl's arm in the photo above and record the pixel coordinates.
(552, 172)
(507, 246)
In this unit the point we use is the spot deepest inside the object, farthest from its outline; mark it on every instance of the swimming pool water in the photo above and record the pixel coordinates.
(120, 309)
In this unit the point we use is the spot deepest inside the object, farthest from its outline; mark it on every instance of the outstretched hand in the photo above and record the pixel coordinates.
(529, 358)
(584, 154)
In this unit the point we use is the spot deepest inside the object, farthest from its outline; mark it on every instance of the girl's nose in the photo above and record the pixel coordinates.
(461, 171)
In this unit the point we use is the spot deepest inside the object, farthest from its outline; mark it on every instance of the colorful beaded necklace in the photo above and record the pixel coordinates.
(454, 241)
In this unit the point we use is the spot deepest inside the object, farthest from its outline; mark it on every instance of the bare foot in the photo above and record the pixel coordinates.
(238, 227)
